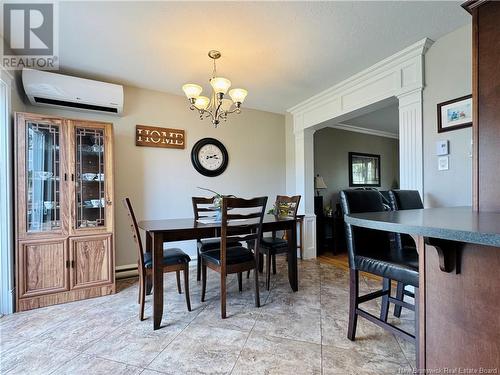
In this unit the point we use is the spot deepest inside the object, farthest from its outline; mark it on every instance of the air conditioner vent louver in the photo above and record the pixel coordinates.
(63, 103)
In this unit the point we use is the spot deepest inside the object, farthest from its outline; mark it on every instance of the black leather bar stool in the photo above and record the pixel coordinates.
(404, 200)
(370, 251)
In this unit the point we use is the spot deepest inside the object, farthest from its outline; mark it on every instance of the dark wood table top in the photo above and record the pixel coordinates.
(455, 223)
(189, 223)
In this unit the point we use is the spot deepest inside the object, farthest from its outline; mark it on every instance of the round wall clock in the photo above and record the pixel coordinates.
(209, 157)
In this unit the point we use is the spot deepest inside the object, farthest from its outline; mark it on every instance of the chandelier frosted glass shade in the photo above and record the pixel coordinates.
(220, 85)
(191, 90)
(238, 95)
(215, 106)
(202, 102)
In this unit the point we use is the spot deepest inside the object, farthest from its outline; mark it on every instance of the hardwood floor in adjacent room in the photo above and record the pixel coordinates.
(301, 333)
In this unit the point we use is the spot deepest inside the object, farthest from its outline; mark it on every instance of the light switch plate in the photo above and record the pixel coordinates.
(442, 148)
(443, 163)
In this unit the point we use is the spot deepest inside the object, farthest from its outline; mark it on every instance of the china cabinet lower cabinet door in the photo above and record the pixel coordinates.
(91, 261)
(42, 267)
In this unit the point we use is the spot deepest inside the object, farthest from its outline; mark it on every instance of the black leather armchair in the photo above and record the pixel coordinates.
(370, 251)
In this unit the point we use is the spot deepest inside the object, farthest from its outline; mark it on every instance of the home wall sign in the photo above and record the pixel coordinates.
(153, 136)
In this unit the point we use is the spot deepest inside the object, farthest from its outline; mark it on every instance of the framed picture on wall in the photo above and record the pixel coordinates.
(364, 169)
(455, 114)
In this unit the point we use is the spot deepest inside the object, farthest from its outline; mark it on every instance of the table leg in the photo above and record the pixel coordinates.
(292, 257)
(149, 279)
(157, 279)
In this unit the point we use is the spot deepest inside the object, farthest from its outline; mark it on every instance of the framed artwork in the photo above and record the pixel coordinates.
(455, 114)
(364, 169)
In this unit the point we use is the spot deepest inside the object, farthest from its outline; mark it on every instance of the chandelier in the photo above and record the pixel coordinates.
(217, 107)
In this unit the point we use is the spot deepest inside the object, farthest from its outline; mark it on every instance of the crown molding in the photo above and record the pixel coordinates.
(359, 129)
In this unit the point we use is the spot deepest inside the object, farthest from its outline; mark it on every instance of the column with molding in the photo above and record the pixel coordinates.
(411, 141)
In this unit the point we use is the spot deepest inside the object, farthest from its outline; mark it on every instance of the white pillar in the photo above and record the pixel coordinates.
(304, 185)
(411, 141)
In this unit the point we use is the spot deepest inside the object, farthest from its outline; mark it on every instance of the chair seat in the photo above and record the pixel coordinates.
(269, 242)
(234, 255)
(214, 244)
(402, 267)
(171, 257)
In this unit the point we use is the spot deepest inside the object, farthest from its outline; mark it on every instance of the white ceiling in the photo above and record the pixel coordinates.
(384, 119)
(282, 52)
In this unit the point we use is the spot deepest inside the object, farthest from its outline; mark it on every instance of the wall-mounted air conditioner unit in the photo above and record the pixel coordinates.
(61, 91)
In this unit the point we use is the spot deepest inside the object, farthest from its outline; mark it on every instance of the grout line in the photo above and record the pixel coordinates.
(271, 287)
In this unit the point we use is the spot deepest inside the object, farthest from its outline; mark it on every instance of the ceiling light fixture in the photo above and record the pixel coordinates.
(217, 107)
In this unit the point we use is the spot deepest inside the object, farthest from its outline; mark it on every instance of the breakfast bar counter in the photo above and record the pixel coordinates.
(459, 274)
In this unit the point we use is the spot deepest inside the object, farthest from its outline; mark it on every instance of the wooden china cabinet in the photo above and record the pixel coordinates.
(64, 210)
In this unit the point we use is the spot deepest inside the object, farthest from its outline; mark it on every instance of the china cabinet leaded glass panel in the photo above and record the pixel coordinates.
(90, 178)
(43, 177)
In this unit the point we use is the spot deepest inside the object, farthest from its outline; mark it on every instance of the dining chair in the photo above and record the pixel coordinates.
(273, 245)
(404, 200)
(244, 223)
(370, 251)
(203, 208)
(174, 260)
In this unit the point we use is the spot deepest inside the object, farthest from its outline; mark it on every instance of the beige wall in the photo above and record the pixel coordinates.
(448, 75)
(161, 182)
(331, 150)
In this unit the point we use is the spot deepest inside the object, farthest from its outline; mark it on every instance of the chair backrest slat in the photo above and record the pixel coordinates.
(242, 227)
(135, 232)
(202, 205)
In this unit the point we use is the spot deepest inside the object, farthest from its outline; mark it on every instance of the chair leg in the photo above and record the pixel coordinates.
(268, 271)
(386, 287)
(178, 277)
(240, 281)
(149, 284)
(248, 274)
(142, 296)
(257, 295)
(203, 280)
(223, 295)
(353, 303)
(186, 286)
(400, 296)
(261, 262)
(198, 265)
(273, 258)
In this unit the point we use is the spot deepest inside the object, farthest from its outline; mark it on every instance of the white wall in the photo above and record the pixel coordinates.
(161, 182)
(331, 159)
(448, 75)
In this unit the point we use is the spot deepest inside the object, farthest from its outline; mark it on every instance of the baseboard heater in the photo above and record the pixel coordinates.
(126, 271)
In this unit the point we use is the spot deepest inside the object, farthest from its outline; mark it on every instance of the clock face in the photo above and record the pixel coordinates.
(209, 157)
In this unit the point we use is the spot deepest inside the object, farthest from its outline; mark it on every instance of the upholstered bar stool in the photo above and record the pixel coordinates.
(404, 200)
(370, 251)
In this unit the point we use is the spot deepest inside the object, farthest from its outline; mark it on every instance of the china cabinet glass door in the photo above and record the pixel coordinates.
(89, 178)
(43, 177)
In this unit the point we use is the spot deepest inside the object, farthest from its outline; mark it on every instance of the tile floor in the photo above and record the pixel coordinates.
(298, 333)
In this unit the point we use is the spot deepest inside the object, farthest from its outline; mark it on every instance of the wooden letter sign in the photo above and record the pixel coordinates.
(159, 137)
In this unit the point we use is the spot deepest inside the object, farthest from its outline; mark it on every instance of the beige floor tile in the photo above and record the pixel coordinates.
(86, 364)
(201, 350)
(355, 361)
(135, 342)
(270, 355)
(34, 358)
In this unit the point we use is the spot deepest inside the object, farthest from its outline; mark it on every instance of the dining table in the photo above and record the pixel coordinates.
(160, 232)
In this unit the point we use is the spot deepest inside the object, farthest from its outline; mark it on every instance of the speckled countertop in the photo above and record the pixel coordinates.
(456, 223)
